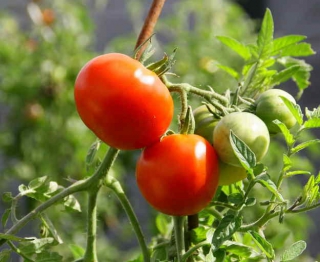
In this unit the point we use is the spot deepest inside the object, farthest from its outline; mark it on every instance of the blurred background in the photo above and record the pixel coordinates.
(43, 44)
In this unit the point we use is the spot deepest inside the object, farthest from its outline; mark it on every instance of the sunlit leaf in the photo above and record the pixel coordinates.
(265, 36)
(245, 155)
(236, 46)
(294, 109)
(295, 250)
(264, 180)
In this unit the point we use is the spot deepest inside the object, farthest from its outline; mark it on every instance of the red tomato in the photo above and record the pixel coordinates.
(122, 102)
(178, 175)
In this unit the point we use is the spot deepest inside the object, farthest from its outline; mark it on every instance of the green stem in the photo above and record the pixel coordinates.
(194, 90)
(115, 186)
(17, 250)
(223, 204)
(179, 236)
(78, 186)
(215, 213)
(304, 209)
(193, 249)
(91, 249)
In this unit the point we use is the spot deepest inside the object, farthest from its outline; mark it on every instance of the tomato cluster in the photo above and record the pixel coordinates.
(128, 107)
(253, 129)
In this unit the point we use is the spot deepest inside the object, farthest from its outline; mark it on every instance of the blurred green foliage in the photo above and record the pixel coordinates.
(42, 133)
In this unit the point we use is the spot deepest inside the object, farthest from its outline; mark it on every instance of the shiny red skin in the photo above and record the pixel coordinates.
(122, 102)
(178, 175)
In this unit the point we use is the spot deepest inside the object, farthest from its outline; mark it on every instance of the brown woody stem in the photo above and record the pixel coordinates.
(149, 24)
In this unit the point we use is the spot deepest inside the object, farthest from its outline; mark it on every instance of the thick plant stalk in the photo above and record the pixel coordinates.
(149, 24)
(179, 236)
(91, 249)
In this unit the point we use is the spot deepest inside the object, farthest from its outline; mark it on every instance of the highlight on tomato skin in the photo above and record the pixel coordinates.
(178, 175)
(125, 104)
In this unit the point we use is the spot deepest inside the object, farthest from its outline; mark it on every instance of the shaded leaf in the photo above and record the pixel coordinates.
(226, 228)
(263, 244)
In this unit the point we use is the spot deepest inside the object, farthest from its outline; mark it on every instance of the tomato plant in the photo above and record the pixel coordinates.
(247, 127)
(178, 175)
(118, 99)
(270, 106)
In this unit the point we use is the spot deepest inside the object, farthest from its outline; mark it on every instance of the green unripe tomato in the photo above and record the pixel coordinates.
(247, 127)
(205, 122)
(270, 106)
(229, 174)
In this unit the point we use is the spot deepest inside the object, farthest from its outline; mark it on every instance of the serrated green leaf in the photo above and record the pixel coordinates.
(294, 109)
(164, 224)
(236, 46)
(265, 36)
(92, 152)
(285, 41)
(14, 238)
(287, 163)
(226, 228)
(315, 113)
(5, 217)
(263, 244)
(285, 131)
(264, 180)
(295, 250)
(302, 76)
(312, 123)
(245, 155)
(284, 75)
(230, 71)
(35, 245)
(38, 182)
(71, 203)
(7, 197)
(304, 145)
(298, 50)
(235, 198)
